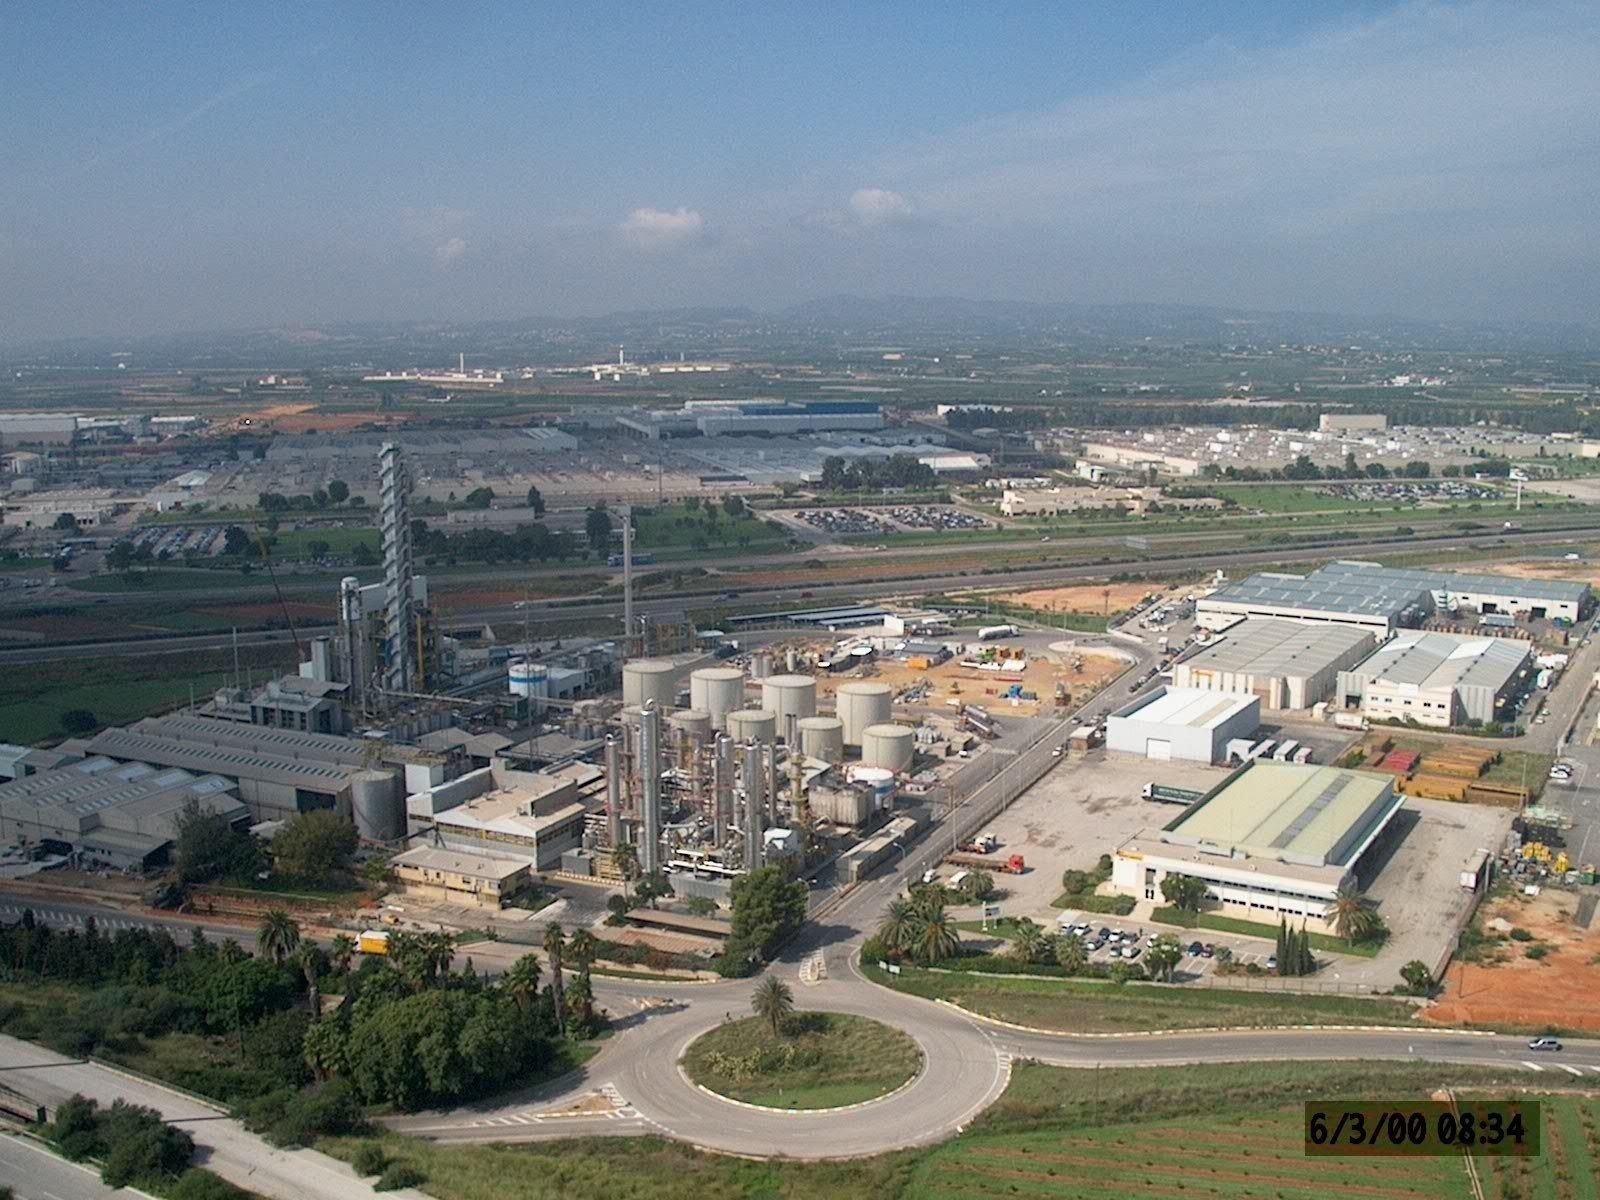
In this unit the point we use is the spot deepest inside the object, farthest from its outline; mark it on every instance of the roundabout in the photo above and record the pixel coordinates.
(812, 1061)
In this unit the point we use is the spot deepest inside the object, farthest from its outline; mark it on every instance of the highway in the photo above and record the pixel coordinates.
(822, 591)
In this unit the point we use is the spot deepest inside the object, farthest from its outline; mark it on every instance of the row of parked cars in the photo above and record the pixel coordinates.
(1124, 944)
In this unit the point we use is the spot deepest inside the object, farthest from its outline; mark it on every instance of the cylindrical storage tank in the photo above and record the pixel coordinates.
(791, 697)
(758, 723)
(691, 721)
(863, 704)
(877, 783)
(887, 746)
(718, 691)
(376, 806)
(528, 679)
(649, 679)
(822, 737)
(761, 664)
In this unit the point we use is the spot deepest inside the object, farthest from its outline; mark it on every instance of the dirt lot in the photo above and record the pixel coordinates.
(1560, 989)
(1100, 599)
(951, 680)
(303, 418)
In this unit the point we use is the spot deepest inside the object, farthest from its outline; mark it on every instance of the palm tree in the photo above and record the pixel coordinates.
(342, 951)
(1070, 954)
(895, 928)
(554, 943)
(309, 958)
(521, 981)
(582, 946)
(773, 1002)
(438, 952)
(1164, 954)
(1027, 940)
(277, 935)
(626, 859)
(1352, 914)
(933, 937)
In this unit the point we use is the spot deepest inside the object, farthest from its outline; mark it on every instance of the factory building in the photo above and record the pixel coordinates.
(1536, 599)
(89, 508)
(1274, 841)
(1142, 458)
(1286, 664)
(280, 773)
(530, 816)
(1437, 679)
(38, 429)
(1352, 422)
(99, 811)
(712, 418)
(1378, 605)
(1182, 723)
(440, 876)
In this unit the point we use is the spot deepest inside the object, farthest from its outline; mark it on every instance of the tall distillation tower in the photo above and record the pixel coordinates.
(394, 519)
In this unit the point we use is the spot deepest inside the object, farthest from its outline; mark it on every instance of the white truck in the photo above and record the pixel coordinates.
(1349, 720)
(990, 633)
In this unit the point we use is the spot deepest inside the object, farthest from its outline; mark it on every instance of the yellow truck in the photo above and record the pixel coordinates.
(373, 941)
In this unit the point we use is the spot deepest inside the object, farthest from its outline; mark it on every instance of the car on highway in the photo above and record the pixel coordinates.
(1544, 1043)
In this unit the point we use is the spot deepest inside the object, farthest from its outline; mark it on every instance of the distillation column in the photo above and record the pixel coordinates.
(752, 805)
(613, 793)
(722, 788)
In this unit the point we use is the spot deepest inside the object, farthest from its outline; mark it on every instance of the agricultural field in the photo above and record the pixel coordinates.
(1093, 1006)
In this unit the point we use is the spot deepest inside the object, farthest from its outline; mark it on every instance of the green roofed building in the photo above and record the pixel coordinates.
(1274, 840)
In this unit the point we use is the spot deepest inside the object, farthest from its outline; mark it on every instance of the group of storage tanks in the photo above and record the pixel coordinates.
(788, 711)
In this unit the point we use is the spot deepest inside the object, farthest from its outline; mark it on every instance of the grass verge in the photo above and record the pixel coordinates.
(1170, 915)
(1090, 1006)
(821, 1060)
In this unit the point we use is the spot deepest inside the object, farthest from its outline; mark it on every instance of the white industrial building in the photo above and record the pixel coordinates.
(1536, 599)
(532, 816)
(1274, 841)
(1182, 723)
(1352, 422)
(1287, 664)
(1437, 679)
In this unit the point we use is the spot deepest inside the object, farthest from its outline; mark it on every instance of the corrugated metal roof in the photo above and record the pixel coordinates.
(1433, 660)
(1264, 646)
(1560, 590)
(1192, 707)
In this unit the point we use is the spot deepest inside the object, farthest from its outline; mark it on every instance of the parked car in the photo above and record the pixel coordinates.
(1544, 1043)
(1208, 950)
(1196, 950)
(1132, 951)
(1093, 944)
(1272, 962)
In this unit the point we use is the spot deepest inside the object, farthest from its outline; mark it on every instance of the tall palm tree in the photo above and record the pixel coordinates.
(1028, 940)
(521, 981)
(1164, 954)
(277, 935)
(773, 1002)
(583, 945)
(895, 928)
(1070, 954)
(342, 951)
(1352, 914)
(555, 942)
(934, 937)
(309, 958)
(438, 952)
(626, 859)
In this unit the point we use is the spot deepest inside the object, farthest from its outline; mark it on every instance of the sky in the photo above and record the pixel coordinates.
(167, 167)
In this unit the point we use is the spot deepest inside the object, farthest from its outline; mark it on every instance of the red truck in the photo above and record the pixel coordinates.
(1011, 865)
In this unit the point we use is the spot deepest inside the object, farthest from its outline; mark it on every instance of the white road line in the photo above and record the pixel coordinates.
(1569, 1070)
(1532, 1066)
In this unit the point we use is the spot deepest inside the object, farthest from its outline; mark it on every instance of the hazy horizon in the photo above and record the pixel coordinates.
(213, 169)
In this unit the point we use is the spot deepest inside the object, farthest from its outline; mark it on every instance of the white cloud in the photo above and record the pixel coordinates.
(448, 251)
(879, 206)
(655, 228)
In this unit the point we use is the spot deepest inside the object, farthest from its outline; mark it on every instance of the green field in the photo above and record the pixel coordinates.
(161, 579)
(294, 544)
(1091, 1006)
(118, 690)
(822, 1060)
(704, 528)
(1169, 915)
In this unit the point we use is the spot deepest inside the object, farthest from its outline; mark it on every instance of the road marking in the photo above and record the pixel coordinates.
(1569, 1070)
(1532, 1066)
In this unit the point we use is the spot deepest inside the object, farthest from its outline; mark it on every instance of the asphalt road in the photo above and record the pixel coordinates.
(33, 1173)
(823, 592)
(221, 1144)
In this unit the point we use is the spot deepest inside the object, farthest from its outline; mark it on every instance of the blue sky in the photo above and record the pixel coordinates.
(212, 166)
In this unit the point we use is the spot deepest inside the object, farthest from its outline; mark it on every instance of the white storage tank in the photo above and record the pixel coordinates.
(694, 721)
(761, 664)
(528, 679)
(718, 691)
(822, 737)
(863, 704)
(376, 806)
(647, 679)
(877, 783)
(743, 724)
(887, 746)
(792, 697)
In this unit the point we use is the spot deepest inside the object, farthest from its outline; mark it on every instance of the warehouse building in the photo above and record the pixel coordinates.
(1352, 422)
(1449, 591)
(1274, 841)
(122, 815)
(442, 876)
(1287, 664)
(1377, 605)
(1437, 679)
(1182, 723)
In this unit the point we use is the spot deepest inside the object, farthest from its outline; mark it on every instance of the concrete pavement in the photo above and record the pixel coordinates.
(34, 1173)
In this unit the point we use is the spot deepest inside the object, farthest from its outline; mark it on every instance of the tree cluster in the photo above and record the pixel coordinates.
(1294, 951)
(858, 474)
(768, 907)
(336, 493)
(525, 543)
(134, 1144)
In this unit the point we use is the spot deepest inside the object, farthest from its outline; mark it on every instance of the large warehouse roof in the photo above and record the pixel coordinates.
(1379, 598)
(1432, 660)
(1190, 707)
(1366, 573)
(1265, 646)
(1317, 816)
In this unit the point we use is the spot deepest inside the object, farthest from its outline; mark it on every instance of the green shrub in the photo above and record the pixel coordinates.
(1537, 951)
(199, 1184)
(369, 1159)
(1520, 934)
(399, 1175)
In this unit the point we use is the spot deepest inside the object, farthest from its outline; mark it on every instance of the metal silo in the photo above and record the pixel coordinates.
(792, 697)
(647, 679)
(822, 737)
(863, 704)
(691, 722)
(887, 746)
(377, 807)
(718, 691)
